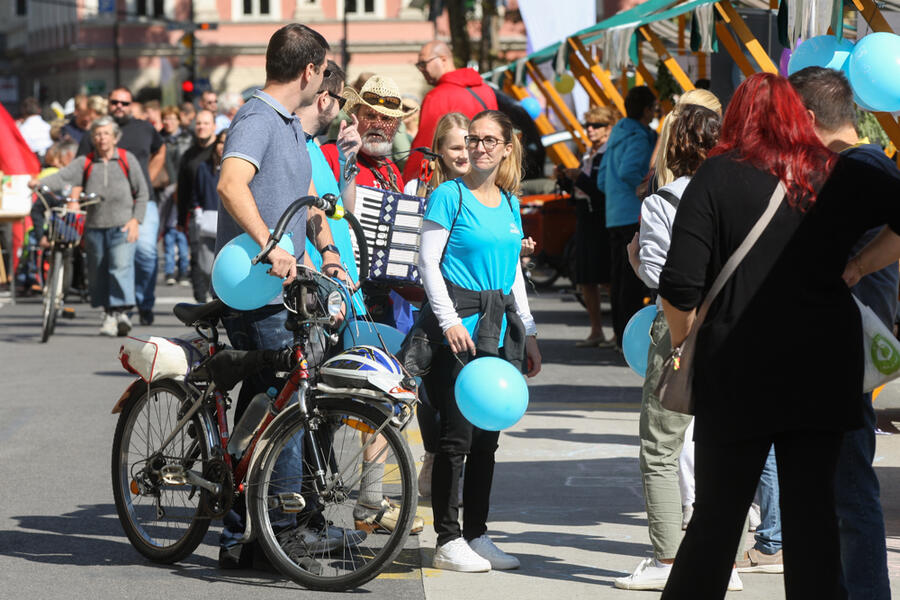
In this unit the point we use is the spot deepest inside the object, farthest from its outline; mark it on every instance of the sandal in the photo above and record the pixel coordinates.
(382, 518)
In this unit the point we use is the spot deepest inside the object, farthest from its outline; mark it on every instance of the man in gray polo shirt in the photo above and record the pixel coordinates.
(266, 167)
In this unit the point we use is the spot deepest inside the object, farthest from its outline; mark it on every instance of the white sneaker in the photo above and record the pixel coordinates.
(109, 326)
(456, 555)
(500, 560)
(734, 582)
(754, 517)
(425, 475)
(123, 324)
(649, 575)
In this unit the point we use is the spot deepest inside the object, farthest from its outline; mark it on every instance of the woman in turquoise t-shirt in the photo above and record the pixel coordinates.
(470, 244)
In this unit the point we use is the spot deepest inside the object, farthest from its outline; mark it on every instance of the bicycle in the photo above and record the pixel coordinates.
(64, 230)
(173, 469)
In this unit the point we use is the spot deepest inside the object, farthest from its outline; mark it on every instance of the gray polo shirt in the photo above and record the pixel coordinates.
(267, 135)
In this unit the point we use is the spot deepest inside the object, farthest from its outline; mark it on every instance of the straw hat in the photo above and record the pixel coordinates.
(381, 94)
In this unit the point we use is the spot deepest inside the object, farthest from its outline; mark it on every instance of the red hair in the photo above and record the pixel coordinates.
(767, 125)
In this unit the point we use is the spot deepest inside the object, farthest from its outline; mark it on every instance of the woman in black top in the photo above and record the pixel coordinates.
(778, 359)
(591, 237)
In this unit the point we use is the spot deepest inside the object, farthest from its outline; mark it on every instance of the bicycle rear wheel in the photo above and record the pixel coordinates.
(163, 519)
(53, 291)
(317, 546)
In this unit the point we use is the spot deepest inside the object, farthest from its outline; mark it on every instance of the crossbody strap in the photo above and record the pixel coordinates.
(477, 97)
(735, 259)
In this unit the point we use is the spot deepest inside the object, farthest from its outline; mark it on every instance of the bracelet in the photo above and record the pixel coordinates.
(330, 248)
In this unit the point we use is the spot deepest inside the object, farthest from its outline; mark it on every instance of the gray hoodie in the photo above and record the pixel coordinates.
(107, 179)
(657, 215)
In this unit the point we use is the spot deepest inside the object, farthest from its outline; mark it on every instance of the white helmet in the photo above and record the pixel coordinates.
(366, 367)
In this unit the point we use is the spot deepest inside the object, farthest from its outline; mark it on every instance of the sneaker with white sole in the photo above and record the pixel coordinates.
(500, 560)
(425, 475)
(109, 327)
(734, 582)
(123, 324)
(756, 561)
(457, 555)
(650, 574)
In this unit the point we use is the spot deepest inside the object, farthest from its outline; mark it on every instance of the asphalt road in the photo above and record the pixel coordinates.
(566, 500)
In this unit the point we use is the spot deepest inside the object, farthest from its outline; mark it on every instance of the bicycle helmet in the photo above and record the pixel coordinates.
(365, 367)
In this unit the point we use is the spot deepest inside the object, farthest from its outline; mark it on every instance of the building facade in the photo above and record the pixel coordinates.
(52, 49)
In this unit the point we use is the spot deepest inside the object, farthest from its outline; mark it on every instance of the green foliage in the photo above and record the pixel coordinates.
(665, 83)
(868, 126)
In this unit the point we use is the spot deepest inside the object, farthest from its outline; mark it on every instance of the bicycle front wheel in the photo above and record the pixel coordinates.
(53, 291)
(161, 513)
(307, 529)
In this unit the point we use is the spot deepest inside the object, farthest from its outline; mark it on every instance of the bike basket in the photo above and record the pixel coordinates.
(67, 228)
(158, 358)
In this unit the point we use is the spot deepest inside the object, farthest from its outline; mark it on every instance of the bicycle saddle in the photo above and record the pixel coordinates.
(194, 314)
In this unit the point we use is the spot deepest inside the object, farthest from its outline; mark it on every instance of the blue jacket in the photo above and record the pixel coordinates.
(622, 169)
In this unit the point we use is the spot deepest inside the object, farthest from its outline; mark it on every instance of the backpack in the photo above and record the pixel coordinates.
(121, 158)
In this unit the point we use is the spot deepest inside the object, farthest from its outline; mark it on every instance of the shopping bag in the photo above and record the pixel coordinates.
(880, 349)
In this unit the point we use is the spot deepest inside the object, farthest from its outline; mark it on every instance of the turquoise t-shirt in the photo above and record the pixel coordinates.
(483, 249)
(323, 178)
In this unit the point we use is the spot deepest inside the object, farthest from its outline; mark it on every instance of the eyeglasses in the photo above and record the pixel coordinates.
(595, 125)
(122, 102)
(489, 143)
(327, 74)
(340, 99)
(389, 102)
(424, 63)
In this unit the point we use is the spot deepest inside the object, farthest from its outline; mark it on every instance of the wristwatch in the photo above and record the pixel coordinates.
(330, 248)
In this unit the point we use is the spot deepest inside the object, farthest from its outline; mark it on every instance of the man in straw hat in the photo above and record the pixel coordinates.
(378, 107)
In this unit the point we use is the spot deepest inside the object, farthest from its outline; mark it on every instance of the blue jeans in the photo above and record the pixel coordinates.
(110, 265)
(175, 240)
(860, 518)
(768, 534)
(261, 329)
(146, 263)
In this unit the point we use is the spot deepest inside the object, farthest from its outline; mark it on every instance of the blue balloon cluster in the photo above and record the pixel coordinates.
(871, 66)
(491, 393)
(636, 339)
(531, 106)
(240, 284)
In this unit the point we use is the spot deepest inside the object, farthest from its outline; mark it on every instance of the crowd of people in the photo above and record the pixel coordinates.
(658, 217)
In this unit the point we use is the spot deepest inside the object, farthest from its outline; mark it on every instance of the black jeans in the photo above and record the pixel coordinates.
(459, 442)
(726, 478)
(626, 291)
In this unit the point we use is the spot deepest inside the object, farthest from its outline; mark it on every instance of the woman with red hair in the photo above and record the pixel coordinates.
(778, 357)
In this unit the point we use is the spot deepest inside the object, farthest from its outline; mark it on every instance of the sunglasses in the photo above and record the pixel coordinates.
(389, 102)
(122, 102)
(340, 99)
(595, 125)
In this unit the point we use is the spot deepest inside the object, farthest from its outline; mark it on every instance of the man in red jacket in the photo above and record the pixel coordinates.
(456, 90)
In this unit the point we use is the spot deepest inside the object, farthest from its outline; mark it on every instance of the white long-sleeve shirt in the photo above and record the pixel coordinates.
(431, 246)
(657, 216)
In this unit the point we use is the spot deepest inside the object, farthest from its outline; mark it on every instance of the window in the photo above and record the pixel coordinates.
(21, 8)
(256, 9)
(150, 8)
(361, 8)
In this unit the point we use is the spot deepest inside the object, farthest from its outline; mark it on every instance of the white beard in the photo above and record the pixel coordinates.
(377, 149)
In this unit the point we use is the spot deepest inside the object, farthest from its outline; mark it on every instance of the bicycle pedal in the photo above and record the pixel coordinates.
(68, 313)
(289, 502)
(173, 475)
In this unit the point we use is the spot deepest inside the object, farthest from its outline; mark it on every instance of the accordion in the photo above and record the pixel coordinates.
(392, 223)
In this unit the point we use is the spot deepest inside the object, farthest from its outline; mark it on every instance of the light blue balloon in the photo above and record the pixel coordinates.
(873, 71)
(531, 106)
(241, 285)
(491, 393)
(821, 51)
(636, 339)
(363, 333)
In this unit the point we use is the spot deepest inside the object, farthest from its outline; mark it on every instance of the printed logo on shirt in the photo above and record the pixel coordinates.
(514, 230)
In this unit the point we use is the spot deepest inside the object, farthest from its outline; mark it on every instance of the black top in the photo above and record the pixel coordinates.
(781, 348)
(190, 161)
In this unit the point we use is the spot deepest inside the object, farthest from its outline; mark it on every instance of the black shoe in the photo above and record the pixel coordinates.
(146, 317)
(236, 557)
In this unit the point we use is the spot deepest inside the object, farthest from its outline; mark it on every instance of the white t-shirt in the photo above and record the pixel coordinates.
(36, 132)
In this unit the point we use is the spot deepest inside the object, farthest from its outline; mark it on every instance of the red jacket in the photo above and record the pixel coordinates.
(453, 93)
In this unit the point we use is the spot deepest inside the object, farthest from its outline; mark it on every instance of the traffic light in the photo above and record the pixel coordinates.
(187, 91)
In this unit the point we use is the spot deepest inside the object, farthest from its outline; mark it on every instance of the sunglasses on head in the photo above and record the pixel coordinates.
(389, 102)
(122, 102)
(340, 99)
(595, 124)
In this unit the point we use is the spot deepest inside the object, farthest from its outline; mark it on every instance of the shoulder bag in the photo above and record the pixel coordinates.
(675, 382)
